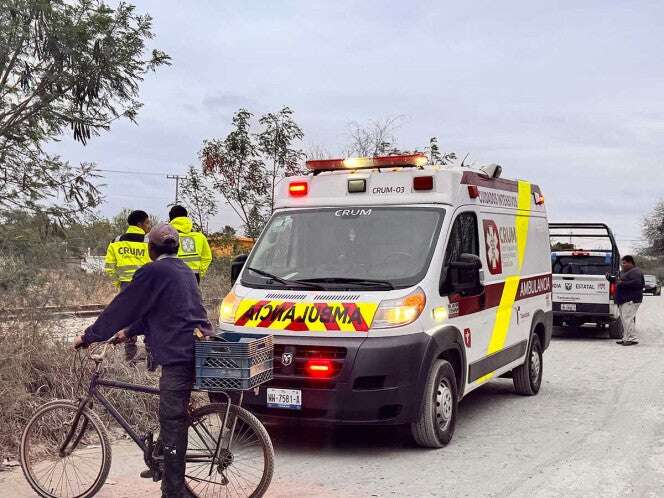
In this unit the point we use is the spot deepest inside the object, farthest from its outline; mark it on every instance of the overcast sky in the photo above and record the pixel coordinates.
(567, 96)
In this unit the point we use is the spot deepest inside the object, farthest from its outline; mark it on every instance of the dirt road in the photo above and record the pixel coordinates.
(595, 429)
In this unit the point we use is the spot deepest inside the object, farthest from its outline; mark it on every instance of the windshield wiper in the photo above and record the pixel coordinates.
(285, 281)
(363, 282)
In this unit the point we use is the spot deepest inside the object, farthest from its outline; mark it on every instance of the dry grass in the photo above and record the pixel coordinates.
(37, 363)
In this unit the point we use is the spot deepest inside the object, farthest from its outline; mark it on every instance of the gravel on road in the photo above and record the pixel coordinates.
(595, 429)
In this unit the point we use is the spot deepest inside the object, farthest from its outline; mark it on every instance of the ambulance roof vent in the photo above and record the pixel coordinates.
(492, 170)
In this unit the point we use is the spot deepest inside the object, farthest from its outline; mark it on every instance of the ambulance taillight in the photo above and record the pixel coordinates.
(423, 183)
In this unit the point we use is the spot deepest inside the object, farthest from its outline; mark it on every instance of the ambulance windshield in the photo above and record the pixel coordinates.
(341, 247)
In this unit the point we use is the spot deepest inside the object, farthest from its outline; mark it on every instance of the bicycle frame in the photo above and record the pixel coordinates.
(142, 442)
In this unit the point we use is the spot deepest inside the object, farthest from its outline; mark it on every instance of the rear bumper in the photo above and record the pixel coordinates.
(586, 311)
(376, 383)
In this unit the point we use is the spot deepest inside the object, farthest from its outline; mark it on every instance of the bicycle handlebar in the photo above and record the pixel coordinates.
(99, 356)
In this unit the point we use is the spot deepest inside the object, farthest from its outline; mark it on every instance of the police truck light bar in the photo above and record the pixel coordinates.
(413, 160)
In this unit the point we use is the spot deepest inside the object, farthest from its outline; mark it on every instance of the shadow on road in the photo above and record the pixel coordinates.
(584, 333)
(304, 439)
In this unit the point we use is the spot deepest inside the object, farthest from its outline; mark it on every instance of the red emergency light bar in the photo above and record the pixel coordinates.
(367, 162)
(298, 189)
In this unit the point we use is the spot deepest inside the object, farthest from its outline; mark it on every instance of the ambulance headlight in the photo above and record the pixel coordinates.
(228, 308)
(399, 312)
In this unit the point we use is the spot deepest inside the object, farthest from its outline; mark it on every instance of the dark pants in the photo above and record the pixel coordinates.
(175, 387)
(131, 348)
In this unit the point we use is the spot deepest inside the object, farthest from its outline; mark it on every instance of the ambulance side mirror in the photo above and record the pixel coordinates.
(236, 266)
(466, 275)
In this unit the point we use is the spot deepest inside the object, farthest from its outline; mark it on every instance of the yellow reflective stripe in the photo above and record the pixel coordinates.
(190, 258)
(501, 325)
(127, 267)
(522, 221)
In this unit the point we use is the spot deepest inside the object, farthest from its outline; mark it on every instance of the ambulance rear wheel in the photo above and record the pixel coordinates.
(437, 414)
(528, 377)
(616, 329)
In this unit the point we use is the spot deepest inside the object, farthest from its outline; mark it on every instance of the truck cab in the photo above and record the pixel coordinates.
(393, 288)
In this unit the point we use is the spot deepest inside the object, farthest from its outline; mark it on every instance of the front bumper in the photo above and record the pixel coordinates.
(376, 380)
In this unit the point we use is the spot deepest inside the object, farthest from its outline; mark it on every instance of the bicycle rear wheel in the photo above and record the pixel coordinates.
(78, 472)
(245, 469)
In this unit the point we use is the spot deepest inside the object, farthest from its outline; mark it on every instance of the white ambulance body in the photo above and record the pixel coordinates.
(394, 288)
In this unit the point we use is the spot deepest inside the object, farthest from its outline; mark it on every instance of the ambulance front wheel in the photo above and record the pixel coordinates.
(437, 414)
(528, 377)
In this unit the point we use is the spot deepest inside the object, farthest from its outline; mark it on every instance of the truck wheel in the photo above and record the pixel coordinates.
(436, 418)
(528, 377)
(616, 329)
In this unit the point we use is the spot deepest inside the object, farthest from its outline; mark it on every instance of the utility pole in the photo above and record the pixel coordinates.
(177, 184)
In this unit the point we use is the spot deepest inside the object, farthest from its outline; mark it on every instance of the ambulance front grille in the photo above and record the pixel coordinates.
(337, 298)
(301, 354)
(285, 297)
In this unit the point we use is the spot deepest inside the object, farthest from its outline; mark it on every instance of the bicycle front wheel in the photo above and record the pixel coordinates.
(55, 470)
(242, 469)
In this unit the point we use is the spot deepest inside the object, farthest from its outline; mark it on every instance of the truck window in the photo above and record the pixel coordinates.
(580, 265)
(463, 240)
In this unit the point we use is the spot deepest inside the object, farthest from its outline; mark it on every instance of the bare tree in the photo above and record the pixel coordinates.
(653, 231)
(373, 139)
(317, 151)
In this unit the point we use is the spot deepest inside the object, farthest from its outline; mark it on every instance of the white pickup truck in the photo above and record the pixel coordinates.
(582, 255)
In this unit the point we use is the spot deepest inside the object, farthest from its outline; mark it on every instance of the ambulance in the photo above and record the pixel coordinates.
(394, 288)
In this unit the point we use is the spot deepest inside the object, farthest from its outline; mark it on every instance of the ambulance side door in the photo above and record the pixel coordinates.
(465, 310)
(507, 331)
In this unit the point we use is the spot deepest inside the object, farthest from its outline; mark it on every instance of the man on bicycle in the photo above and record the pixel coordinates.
(163, 302)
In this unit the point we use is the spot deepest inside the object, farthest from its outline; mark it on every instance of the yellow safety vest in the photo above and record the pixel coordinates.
(126, 254)
(194, 248)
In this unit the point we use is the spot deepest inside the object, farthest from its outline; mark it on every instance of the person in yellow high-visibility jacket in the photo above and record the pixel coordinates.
(194, 247)
(126, 254)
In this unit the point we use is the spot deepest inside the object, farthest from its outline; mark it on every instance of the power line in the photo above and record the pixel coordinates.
(177, 184)
(127, 172)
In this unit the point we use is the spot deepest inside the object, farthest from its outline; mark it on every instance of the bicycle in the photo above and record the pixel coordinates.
(65, 450)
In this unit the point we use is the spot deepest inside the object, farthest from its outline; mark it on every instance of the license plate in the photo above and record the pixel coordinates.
(567, 307)
(291, 399)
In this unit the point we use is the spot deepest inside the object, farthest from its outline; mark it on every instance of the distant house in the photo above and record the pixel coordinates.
(227, 246)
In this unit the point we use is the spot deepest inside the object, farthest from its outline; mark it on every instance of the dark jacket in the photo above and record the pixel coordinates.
(163, 301)
(630, 286)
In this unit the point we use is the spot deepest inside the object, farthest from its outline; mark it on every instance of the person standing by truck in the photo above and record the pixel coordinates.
(629, 297)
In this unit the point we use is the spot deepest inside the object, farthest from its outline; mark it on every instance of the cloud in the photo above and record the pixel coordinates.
(565, 95)
(224, 101)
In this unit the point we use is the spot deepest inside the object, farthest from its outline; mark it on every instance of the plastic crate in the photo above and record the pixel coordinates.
(233, 361)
